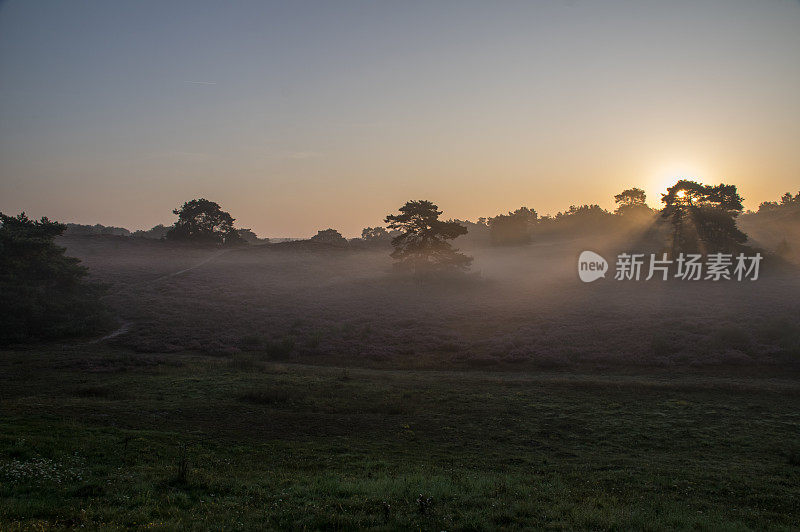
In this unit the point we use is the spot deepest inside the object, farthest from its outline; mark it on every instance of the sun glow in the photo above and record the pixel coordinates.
(666, 175)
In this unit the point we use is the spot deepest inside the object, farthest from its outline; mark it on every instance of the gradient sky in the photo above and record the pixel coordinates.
(297, 116)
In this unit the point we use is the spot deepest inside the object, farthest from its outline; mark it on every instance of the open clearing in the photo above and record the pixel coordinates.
(287, 388)
(98, 437)
(526, 309)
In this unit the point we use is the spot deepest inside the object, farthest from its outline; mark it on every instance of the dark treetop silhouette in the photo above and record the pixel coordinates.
(703, 217)
(43, 293)
(513, 228)
(788, 203)
(329, 236)
(201, 220)
(422, 245)
(371, 234)
(630, 197)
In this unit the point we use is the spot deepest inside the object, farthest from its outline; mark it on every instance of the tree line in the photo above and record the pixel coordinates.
(45, 294)
(696, 214)
(696, 218)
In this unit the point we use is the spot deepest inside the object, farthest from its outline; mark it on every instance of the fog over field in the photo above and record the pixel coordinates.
(442, 266)
(587, 370)
(522, 306)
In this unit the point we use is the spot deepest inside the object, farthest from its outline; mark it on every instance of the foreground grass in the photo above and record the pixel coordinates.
(110, 439)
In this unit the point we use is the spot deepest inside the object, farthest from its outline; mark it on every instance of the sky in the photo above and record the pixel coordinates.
(297, 116)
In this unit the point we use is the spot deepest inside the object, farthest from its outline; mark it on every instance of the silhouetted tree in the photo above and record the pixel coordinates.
(583, 213)
(513, 228)
(787, 203)
(632, 206)
(578, 216)
(422, 245)
(201, 220)
(372, 234)
(632, 202)
(788, 200)
(43, 293)
(631, 197)
(477, 233)
(158, 232)
(247, 235)
(330, 236)
(97, 229)
(703, 217)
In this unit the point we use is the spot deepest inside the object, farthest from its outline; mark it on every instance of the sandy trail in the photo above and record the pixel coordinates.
(126, 325)
(190, 268)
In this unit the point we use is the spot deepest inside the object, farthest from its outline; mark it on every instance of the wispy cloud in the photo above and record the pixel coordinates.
(201, 82)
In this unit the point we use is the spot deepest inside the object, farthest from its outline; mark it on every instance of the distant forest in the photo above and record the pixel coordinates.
(46, 294)
(775, 225)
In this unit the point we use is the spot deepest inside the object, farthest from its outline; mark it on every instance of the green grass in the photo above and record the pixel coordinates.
(109, 439)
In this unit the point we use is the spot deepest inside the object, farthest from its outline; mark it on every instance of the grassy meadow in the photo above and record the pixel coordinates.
(297, 387)
(438, 266)
(106, 438)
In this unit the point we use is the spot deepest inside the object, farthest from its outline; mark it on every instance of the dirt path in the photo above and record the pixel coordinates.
(190, 268)
(126, 325)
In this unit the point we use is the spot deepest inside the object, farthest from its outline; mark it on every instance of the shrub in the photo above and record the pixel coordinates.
(43, 293)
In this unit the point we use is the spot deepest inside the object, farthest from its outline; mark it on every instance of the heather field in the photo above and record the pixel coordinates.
(313, 387)
(523, 307)
(441, 266)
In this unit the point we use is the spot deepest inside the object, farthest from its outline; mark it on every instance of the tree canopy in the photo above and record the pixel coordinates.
(249, 236)
(422, 244)
(632, 202)
(158, 232)
(513, 228)
(372, 234)
(203, 221)
(787, 203)
(330, 236)
(703, 217)
(43, 293)
(630, 197)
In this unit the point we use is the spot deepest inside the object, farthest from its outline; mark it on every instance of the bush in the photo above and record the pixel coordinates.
(43, 293)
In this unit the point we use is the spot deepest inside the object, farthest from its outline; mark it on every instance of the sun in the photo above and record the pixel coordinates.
(680, 194)
(665, 175)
